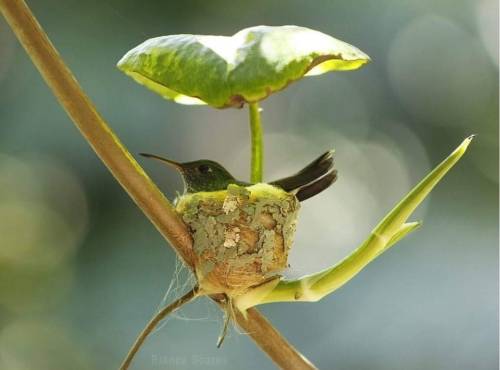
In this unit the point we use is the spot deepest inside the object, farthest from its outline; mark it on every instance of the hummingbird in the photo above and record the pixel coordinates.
(205, 176)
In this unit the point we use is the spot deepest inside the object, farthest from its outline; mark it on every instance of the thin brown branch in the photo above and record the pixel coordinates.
(174, 306)
(271, 341)
(124, 167)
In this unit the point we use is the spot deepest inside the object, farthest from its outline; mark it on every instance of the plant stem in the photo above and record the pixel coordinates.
(257, 164)
(186, 298)
(272, 342)
(124, 168)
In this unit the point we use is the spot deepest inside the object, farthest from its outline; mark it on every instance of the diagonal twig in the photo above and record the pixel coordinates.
(126, 170)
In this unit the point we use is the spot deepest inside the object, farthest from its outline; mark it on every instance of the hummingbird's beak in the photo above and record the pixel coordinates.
(164, 160)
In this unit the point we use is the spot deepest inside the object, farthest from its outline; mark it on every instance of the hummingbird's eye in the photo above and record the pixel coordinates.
(204, 169)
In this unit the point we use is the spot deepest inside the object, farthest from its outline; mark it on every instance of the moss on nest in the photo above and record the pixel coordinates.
(242, 236)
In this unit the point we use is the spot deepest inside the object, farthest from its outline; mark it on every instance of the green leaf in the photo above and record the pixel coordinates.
(229, 71)
(389, 231)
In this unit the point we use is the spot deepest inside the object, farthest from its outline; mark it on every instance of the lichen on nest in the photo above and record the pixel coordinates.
(241, 235)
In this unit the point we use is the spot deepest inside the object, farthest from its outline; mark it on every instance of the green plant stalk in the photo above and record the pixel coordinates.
(389, 231)
(257, 160)
(126, 170)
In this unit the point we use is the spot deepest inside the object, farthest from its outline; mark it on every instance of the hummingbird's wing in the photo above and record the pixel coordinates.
(311, 180)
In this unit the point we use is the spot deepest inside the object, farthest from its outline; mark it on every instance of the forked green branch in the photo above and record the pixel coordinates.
(389, 231)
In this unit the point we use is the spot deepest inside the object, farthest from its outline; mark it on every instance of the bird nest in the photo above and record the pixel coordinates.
(241, 235)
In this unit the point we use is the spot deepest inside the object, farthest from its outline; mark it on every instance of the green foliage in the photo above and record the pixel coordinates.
(229, 71)
(246, 68)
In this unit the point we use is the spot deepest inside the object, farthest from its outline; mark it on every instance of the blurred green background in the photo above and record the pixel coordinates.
(81, 269)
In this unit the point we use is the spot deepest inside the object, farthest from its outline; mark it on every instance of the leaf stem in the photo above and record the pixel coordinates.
(257, 162)
(174, 306)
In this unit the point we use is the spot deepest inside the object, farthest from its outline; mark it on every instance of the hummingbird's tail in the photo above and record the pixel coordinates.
(311, 180)
(316, 187)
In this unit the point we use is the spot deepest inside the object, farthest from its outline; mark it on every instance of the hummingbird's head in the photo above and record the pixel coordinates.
(201, 175)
